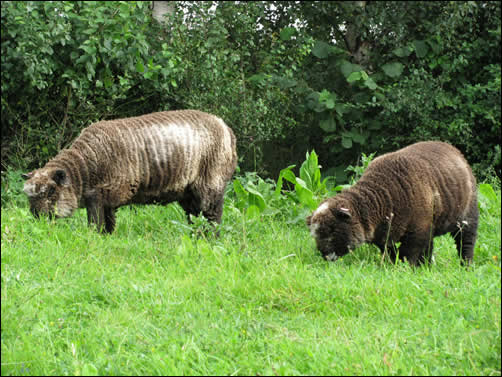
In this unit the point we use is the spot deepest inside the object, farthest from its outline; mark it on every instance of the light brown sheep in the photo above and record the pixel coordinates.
(186, 156)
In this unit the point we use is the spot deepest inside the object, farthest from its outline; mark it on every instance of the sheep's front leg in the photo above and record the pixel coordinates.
(417, 247)
(95, 211)
(109, 219)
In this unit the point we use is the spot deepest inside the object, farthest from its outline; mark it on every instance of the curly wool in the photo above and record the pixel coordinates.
(408, 196)
(186, 156)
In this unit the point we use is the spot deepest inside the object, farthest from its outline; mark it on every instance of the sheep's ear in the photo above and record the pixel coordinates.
(309, 220)
(343, 213)
(59, 176)
(26, 176)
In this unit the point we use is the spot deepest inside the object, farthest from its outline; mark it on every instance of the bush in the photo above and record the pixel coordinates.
(282, 75)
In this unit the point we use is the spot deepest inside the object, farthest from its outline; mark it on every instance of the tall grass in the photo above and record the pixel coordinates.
(161, 297)
(158, 297)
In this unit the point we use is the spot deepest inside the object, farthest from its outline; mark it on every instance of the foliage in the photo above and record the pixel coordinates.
(254, 196)
(291, 198)
(454, 75)
(65, 64)
(487, 198)
(309, 189)
(436, 75)
(358, 170)
(343, 78)
(12, 189)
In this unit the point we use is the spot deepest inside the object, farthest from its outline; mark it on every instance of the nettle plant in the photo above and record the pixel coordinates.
(308, 187)
(360, 168)
(292, 196)
(255, 196)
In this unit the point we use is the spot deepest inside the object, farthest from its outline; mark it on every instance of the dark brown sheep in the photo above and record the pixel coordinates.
(409, 196)
(186, 156)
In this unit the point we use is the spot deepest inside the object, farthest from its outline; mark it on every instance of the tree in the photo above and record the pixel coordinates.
(339, 77)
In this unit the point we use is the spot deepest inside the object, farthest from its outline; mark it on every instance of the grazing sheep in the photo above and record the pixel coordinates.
(409, 196)
(186, 156)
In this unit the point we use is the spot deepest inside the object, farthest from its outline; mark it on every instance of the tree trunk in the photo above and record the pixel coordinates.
(358, 48)
(162, 9)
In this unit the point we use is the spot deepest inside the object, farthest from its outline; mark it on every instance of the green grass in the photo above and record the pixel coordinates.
(153, 299)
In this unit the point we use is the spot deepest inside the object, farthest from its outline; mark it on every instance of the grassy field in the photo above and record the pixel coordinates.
(153, 298)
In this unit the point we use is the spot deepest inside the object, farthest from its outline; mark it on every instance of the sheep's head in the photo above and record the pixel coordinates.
(50, 192)
(335, 229)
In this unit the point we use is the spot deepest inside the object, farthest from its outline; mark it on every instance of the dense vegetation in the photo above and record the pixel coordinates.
(340, 77)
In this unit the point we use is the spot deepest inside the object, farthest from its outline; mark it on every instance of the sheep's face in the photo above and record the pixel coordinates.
(334, 230)
(50, 193)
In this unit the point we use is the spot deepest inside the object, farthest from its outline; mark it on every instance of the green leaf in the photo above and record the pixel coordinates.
(310, 173)
(393, 69)
(288, 175)
(321, 49)
(284, 82)
(82, 59)
(90, 70)
(370, 83)
(328, 125)
(341, 109)
(90, 31)
(402, 51)
(140, 67)
(324, 95)
(256, 198)
(436, 47)
(91, 50)
(89, 370)
(108, 82)
(305, 196)
(107, 43)
(308, 167)
(252, 212)
(347, 68)
(300, 182)
(305, 177)
(327, 99)
(354, 76)
(283, 172)
(487, 197)
(487, 191)
(359, 138)
(241, 193)
(124, 10)
(421, 48)
(346, 142)
(258, 78)
(313, 102)
(287, 33)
